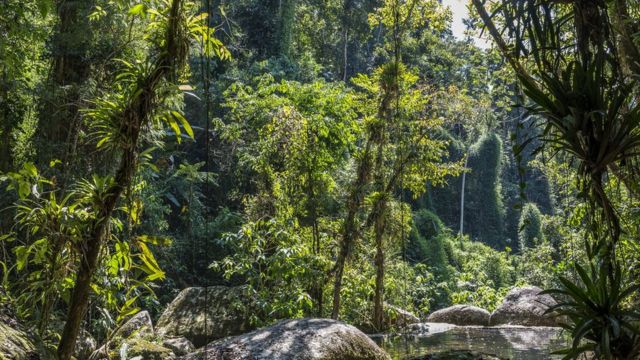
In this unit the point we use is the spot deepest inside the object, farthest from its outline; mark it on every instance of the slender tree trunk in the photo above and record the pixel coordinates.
(134, 117)
(350, 229)
(316, 291)
(337, 285)
(345, 54)
(80, 296)
(346, 24)
(285, 15)
(464, 179)
(378, 301)
(5, 127)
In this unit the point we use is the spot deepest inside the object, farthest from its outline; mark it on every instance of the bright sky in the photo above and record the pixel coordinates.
(459, 10)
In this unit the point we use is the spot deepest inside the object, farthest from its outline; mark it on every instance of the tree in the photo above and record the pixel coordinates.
(567, 61)
(426, 243)
(484, 201)
(122, 125)
(384, 161)
(292, 141)
(23, 29)
(530, 227)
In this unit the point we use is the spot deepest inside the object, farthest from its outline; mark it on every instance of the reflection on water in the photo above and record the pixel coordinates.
(507, 342)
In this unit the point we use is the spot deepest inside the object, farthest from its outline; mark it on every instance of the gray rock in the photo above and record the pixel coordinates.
(398, 318)
(145, 349)
(457, 355)
(393, 318)
(524, 306)
(85, 345)
(15, 344)
(139, 326)
(301, 339)
(179, 345)
(463, 315)
(203, 315)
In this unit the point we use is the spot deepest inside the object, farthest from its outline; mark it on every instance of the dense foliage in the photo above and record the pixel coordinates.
(339, 158)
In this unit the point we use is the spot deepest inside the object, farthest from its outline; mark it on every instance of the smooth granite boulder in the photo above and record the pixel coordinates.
(463, 315)
(300, 339)
(205, 314)
(524, 306)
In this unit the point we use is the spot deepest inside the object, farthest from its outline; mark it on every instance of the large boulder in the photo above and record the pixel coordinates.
(205, 314)
(393, 318)
(398, 318)
(524, 306)
(132, 338)
(457, 355)
(139, 325)
(15, 344)
(463, 315)
(301, 339)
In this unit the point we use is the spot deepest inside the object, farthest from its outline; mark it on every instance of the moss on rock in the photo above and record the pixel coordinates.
(205, 314)
(15, 344)
(147, 350)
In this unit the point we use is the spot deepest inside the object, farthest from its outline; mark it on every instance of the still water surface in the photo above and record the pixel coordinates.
(506, 342)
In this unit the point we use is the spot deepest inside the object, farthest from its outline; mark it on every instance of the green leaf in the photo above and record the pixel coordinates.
(30, 169)
(174, 125)
(155, 240)
(137, 10)
(22, 256)
(184, 122)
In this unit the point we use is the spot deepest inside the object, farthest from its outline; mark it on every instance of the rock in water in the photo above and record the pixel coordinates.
(457, 355)
(225, 309)
(524, 306)
(300, 339)
(393, 318)
(462, 315)
(398, 318)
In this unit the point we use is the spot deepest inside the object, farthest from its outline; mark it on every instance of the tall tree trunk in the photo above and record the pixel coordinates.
(378, 301)
(464, 179)
(346, 25)
(350, 229)
(5, 126)
(285, 15)
(133, 119)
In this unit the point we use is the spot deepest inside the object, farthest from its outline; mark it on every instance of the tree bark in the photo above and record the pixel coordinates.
(5, 127)
(346, 24)
(378, 301)
(350, 229)
(626, 27)
(464, 178)
(133, 119)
